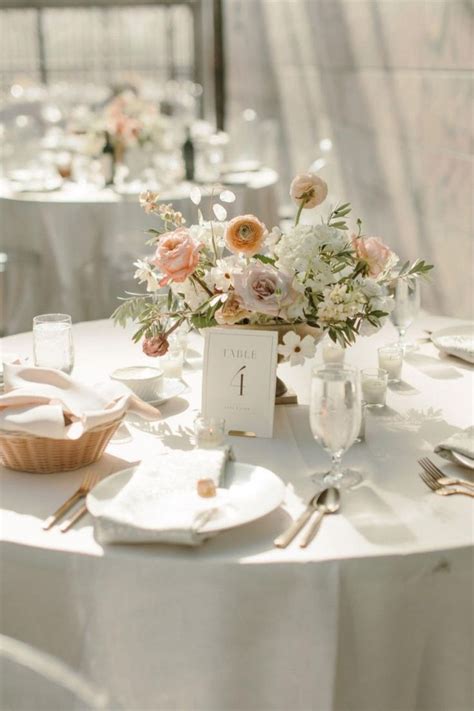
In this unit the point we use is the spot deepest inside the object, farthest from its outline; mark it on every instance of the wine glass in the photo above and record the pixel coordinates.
(335, 418)
(406, 298)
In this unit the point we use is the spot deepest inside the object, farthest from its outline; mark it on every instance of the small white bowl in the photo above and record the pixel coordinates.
(143, 380)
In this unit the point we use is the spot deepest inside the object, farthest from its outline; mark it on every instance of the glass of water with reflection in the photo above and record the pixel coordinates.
(53, 346)
(335, 418)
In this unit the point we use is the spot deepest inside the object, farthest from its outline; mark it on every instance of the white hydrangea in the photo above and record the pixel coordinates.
(203, 233)
(192, 293)
(339, 304)
(299, 249)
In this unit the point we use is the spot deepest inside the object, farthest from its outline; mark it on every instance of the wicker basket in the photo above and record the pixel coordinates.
(42, 455)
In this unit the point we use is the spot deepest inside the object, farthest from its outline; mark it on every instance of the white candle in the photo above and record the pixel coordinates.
(374, 391)
(391, 360)
(172, 363)
(209, 432)
(333, 354)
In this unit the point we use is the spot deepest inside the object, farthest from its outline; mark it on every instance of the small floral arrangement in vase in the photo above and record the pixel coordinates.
(125, 122)
(303, 282)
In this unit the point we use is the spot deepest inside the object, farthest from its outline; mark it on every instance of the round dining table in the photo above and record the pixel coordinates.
(374, 615)
(72, 249)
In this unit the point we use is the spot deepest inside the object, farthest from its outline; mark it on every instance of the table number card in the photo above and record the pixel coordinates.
(239, 378)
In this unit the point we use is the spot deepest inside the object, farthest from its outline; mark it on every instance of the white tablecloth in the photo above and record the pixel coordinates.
(376, 615)
(84, 243)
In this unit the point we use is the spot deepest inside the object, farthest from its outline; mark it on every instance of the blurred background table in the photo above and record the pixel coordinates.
(72, 249)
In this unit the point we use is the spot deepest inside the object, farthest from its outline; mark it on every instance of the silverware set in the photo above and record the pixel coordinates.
(324, 502)
(90, 479)
(441, 484)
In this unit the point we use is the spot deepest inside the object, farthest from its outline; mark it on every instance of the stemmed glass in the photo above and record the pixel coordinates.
(335, 418)
(406, 297)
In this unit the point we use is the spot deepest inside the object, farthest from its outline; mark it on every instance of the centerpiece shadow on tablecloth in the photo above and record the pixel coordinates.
(374, 518)
(403, 388)
(23, 492)
(433, 367)
(177, 438)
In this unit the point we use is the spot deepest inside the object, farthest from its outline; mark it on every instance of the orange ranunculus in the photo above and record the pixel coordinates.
(245, 235)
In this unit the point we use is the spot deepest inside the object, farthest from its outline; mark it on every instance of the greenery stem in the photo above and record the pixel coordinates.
(300, 210)
(201, 283)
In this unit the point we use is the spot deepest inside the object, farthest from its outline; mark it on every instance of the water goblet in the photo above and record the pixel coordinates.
(335, 418)
(53, 346)
(406, 298)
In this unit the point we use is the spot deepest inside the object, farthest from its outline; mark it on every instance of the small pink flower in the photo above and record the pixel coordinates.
(374, 252)
(177, 255)
(310, 188)
(155, 346)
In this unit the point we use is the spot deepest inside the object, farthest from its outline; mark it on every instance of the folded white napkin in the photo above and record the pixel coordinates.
(160, 502)
(461, 346)
(461, 442)
(49, 403)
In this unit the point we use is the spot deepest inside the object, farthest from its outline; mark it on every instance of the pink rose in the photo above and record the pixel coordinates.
(177, 255)
(155, 346)
(262, 288)
(310, 188)
(374, 252)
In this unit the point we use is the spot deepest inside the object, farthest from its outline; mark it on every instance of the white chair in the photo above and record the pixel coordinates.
(30, 679)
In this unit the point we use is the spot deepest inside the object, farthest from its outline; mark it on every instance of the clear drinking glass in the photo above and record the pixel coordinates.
(406, 297)
(53, 346)
(335, 418)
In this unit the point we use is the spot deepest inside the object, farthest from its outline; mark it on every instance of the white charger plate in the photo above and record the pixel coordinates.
(456, 340)
(253, 492)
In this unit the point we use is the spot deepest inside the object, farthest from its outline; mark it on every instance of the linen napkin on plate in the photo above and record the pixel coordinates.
(460, 442)
(461, 346)
(48, 403)
(160, 502)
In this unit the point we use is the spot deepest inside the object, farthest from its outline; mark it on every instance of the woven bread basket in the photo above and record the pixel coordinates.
(42, 455)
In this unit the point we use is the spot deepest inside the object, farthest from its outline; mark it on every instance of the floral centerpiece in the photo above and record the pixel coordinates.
(305, 281)
(125, 122)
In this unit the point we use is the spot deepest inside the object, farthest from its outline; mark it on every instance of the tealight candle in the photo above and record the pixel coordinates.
(172, 362)
(374, 386)
(209, 431)
(333, 354)
(391, 360)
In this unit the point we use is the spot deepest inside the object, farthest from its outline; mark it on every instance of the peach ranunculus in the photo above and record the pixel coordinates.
(309, 188)
(155, 346)
(245, 235)
(374, 252)
(177, 255)
(231, 311)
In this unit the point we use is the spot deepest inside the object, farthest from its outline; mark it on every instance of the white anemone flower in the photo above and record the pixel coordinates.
(145, 273)
(296, 349)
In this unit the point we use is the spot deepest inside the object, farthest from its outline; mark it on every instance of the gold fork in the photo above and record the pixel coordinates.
(438, 488)
(88, 483)
(437, 474)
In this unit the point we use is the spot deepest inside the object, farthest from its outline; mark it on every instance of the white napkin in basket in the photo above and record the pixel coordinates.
(160, 502)
(37, 401)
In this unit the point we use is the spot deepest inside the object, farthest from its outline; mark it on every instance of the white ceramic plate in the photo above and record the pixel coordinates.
(172, 387)
(253, 493)
(457, 341)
